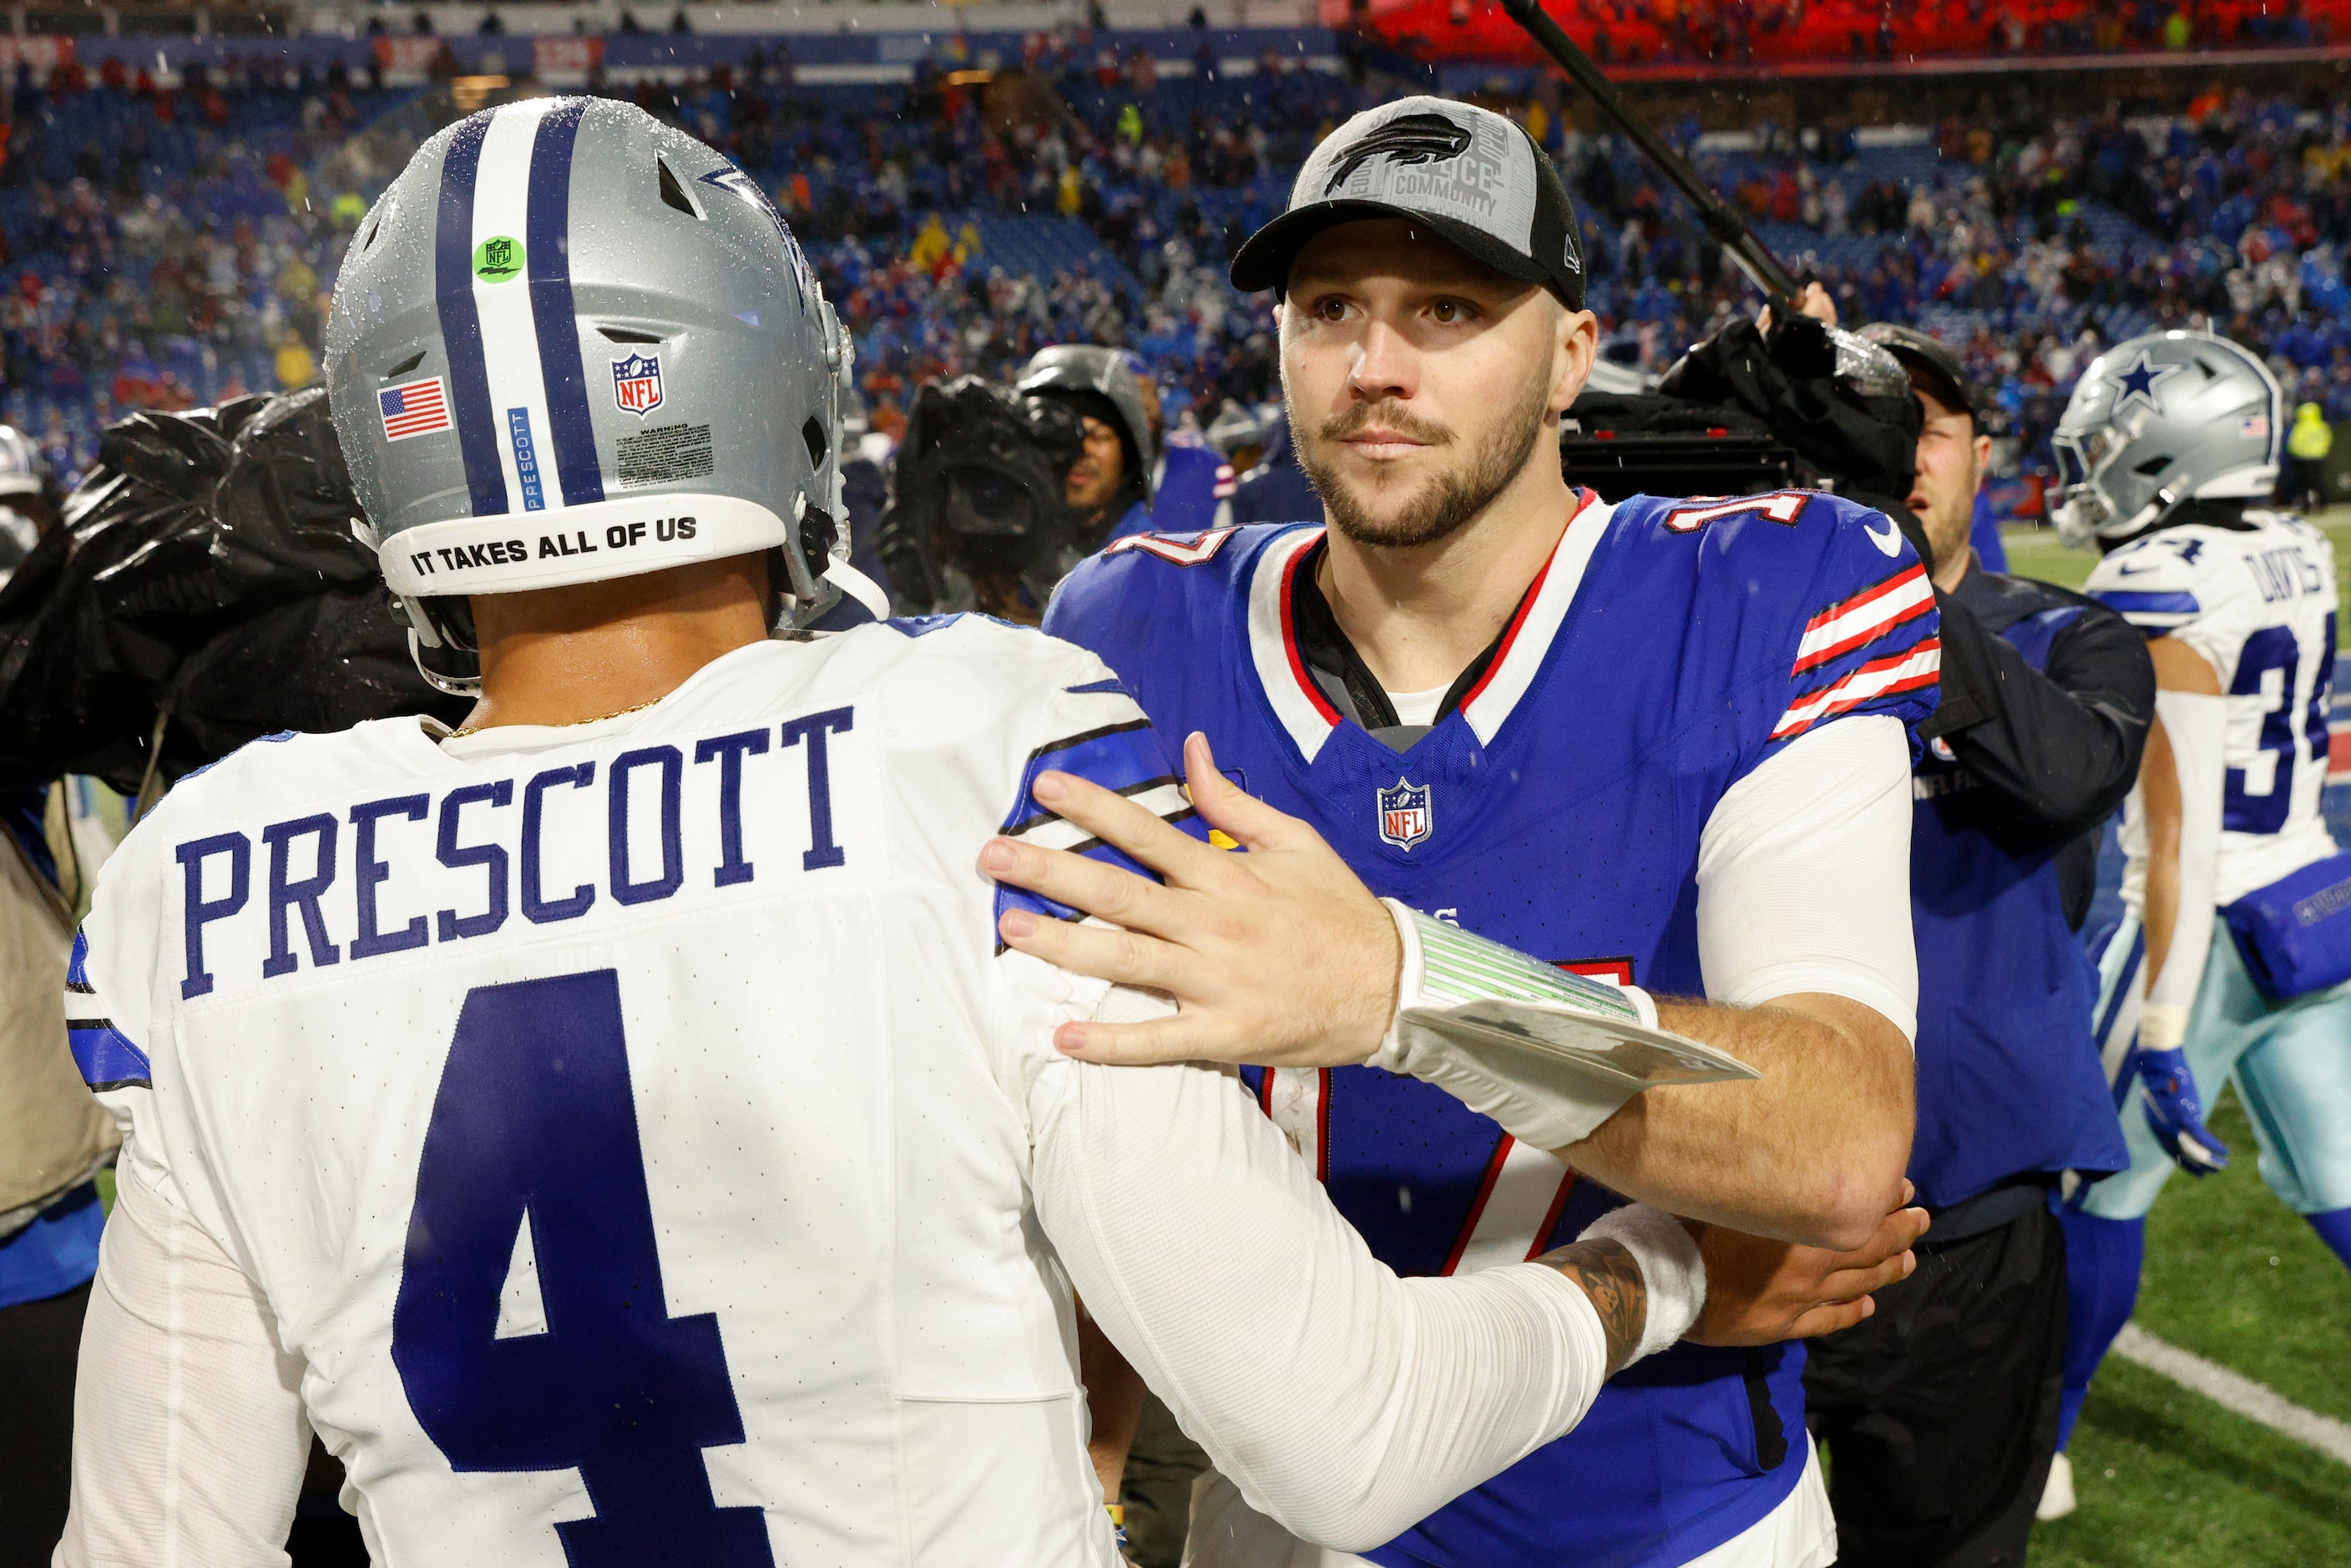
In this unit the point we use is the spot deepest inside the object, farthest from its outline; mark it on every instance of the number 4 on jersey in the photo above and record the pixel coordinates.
(533, 1124)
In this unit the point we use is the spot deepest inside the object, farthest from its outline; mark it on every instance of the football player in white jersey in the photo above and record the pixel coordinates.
(612, 1126)
(2167, 448)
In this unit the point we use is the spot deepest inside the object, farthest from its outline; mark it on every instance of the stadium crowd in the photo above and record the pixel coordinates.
(176, 246)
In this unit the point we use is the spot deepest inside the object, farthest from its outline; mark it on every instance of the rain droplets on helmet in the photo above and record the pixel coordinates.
(572, 343)
(2157, 421)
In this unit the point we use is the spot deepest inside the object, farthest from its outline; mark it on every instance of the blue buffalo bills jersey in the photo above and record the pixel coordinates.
(1666, 650)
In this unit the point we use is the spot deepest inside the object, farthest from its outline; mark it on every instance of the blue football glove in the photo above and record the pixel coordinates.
(2175, 1113)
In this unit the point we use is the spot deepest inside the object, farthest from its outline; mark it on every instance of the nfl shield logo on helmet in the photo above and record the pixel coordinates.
(1404, 813)
(637, 383)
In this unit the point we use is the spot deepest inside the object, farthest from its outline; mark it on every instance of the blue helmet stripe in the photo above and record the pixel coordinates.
(461, 322)
(547, 241)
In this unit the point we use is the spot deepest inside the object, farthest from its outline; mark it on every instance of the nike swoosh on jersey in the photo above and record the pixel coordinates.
(1889, 542)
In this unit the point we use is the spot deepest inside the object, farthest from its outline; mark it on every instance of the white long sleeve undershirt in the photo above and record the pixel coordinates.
(189, 1435)
(1343, 1401)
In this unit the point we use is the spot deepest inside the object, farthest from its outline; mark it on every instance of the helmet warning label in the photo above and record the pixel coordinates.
(663, 456)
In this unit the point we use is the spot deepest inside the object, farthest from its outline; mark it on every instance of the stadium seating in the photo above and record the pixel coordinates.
(175, 244)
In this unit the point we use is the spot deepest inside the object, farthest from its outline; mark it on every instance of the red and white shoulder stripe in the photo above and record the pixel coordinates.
(1908, 670)
(1873, 612)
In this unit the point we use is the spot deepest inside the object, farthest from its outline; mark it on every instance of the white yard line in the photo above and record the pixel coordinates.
(2234, 1393)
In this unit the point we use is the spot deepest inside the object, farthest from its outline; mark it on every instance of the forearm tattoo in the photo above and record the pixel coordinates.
(1611, 1281)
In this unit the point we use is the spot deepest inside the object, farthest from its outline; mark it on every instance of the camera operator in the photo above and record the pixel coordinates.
(1940, 1412)
(1109, 487)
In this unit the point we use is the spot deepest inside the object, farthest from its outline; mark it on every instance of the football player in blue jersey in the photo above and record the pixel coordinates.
(708, 1190)
(1665, 742)
(1191, 483)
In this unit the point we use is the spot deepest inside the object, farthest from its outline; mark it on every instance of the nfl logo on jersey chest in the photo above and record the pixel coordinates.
(1404, 813)
(637, 383)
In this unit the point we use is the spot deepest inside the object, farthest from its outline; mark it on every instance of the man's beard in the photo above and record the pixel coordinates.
(1448, 499)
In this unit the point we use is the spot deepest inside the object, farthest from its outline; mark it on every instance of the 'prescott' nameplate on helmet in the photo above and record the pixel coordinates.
(637, 383)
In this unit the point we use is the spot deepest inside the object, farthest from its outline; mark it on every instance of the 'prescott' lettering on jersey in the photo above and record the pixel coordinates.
(453, 865)
(1666, 650)
(624, 1123)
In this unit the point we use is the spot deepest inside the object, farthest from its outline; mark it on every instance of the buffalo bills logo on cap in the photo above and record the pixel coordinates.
(637, 383)
(1404, 813)
(1408, 139)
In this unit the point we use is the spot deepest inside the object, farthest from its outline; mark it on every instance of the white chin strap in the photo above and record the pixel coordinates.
(859, 587)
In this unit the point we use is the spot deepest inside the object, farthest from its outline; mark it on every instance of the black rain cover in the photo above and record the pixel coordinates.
(207, 563)
(979, 493)
(1864, 442)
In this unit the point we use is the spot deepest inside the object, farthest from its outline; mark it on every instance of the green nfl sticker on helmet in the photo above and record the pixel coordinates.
(497, 258)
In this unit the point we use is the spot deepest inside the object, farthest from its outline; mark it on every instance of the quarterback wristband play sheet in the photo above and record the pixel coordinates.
(1547, 1053)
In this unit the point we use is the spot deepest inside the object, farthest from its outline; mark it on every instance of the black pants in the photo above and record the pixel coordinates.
(1939, 1413)
(1160, 1470)
(38, 1344)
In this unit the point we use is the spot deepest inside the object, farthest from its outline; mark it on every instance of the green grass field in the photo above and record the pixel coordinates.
(2166, 1478)
(2036, 552)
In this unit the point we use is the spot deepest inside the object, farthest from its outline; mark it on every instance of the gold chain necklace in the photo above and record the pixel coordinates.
(616, 712)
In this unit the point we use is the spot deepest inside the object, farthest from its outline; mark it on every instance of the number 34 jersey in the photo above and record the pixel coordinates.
(622, 1122)
(2258, 603)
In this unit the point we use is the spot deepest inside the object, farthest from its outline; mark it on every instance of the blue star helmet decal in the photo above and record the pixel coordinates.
(2139, 381)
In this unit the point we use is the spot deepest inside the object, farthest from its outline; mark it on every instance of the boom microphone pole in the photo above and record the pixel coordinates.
(1729, 230)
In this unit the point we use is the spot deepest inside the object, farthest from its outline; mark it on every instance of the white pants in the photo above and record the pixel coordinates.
(1228, 1533)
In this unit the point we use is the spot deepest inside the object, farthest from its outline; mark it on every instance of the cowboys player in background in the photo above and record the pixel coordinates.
(1662, 741)
(614, 1126)
(2167, 451)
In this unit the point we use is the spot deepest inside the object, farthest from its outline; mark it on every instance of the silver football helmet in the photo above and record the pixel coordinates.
(2157, 421)
(1104, 373)
(572, 343)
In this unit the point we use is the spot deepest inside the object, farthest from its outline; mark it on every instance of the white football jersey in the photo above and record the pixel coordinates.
(2258, 603)
(590, 1250)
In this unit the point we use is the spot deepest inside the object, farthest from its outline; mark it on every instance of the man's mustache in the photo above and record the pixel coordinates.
(1387, 415)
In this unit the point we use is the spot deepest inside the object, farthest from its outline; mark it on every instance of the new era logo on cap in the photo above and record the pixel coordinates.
(417, 408)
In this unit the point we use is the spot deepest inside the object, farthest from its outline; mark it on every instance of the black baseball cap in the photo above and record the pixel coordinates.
(1471, 175)
(1930, 360)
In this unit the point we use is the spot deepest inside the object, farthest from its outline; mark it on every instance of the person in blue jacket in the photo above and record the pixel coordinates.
(1940, 1412)
(1277, 490)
